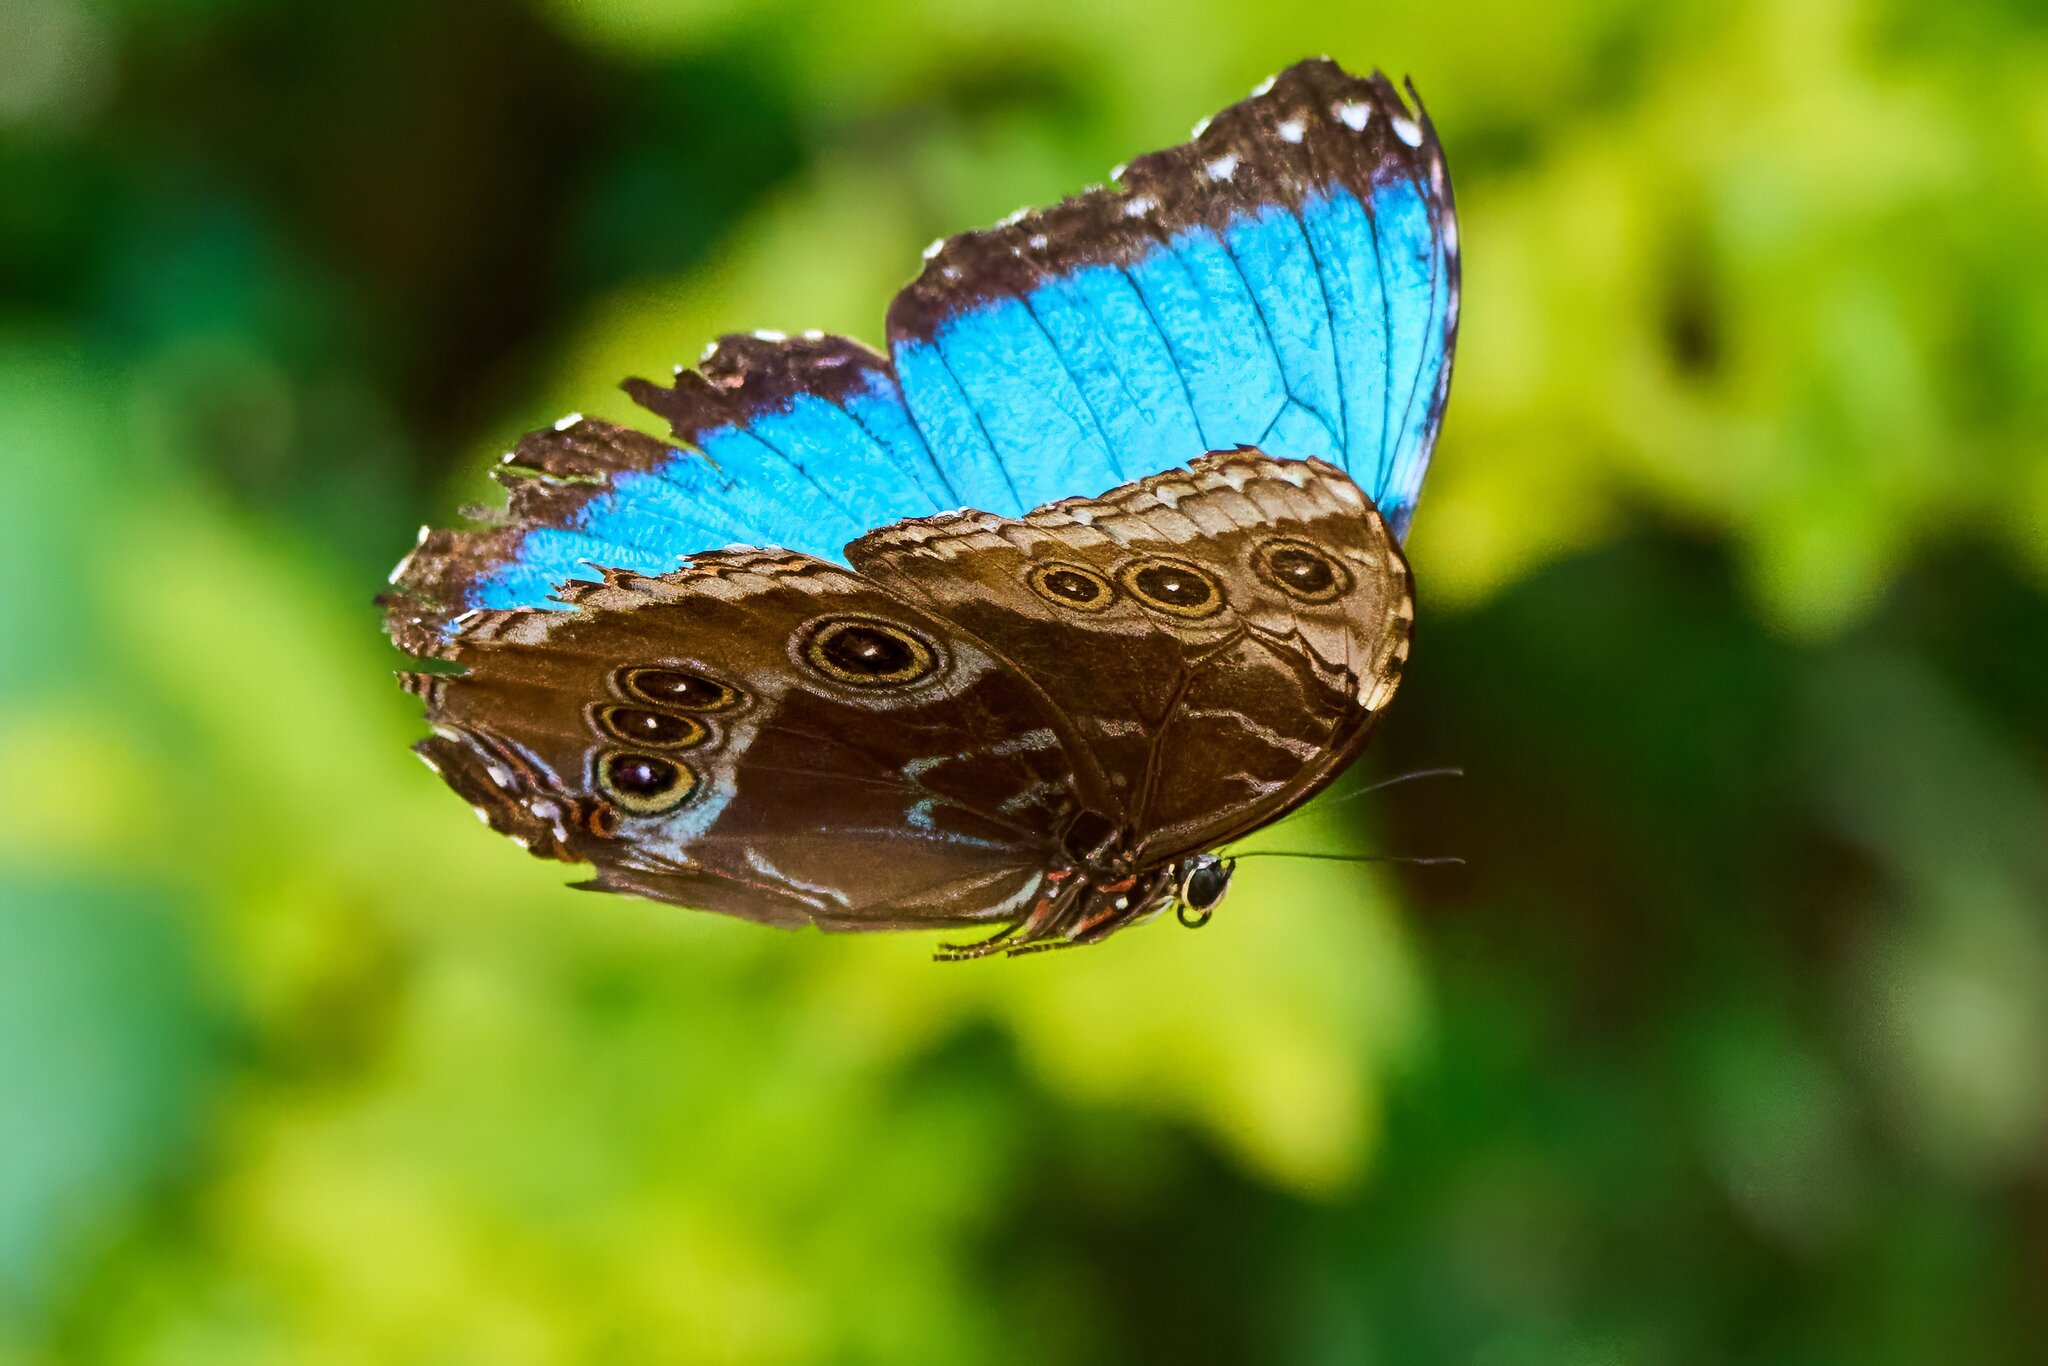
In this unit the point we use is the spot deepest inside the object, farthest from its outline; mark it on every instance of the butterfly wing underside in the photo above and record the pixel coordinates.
(1221, 636)
(762, 734)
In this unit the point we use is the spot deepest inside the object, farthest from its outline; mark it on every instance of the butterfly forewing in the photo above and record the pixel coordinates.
(1224, 637)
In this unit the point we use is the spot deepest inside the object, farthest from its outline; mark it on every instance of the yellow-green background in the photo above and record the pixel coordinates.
(1730, 1045)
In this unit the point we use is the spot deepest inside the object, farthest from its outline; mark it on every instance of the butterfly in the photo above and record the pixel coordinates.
(1011, 628)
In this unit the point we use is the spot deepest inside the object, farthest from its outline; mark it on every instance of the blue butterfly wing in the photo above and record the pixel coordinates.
(1287, 280)
(801, 443)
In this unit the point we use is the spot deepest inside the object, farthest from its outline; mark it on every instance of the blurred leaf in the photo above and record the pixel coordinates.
(105, 1056)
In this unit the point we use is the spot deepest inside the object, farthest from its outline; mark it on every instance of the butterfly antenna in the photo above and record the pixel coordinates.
(1426, 861)
(1367, 791)
(1397, 779)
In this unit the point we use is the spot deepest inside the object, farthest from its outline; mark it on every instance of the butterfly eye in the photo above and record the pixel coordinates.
(659, 729)
(1301, 571)
(1071, 585)
(867, 653)
(1204, 879)
(644, 784)
(679, 688)
(1172, 586)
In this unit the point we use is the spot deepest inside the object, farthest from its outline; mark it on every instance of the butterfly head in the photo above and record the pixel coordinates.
(1200, 883)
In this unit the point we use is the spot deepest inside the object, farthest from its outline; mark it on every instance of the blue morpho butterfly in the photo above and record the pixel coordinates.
(1096, 570)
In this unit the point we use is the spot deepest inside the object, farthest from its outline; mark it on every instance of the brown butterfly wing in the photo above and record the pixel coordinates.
(761, 734)
(1221, 637)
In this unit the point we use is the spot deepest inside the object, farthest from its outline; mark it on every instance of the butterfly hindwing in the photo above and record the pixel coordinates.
(801, 443)
(762, 733)
(810, 427)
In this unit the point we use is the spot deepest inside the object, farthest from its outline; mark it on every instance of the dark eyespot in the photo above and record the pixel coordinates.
(679, 688)
(660, 729)
(1071, 585)
(1300, 570)
(1173, 586)
(644, 784)
(867, 653)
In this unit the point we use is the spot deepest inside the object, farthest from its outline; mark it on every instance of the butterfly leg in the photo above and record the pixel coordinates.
(1111, 907)
(1114, 906)
(981, 948)
(1038, 924)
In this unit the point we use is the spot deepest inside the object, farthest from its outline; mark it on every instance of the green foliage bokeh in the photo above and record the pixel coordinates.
(1731, 1042)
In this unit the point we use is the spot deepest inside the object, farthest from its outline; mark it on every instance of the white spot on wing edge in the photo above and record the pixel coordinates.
(1353, 114)
(398, 571)
(1199, 129)
(1406, 129)
(769, 334)
(938, 245)
(1264, 87)
(567, 420)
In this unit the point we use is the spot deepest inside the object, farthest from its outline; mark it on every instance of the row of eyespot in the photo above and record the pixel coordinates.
(648, 784)
(866, 652)
(1183, 589)
(863, 652)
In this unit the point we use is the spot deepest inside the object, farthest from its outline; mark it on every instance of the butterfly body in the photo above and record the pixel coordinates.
(977, 636)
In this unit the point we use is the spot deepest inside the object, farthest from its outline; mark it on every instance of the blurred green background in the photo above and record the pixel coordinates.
(1730, 1043)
